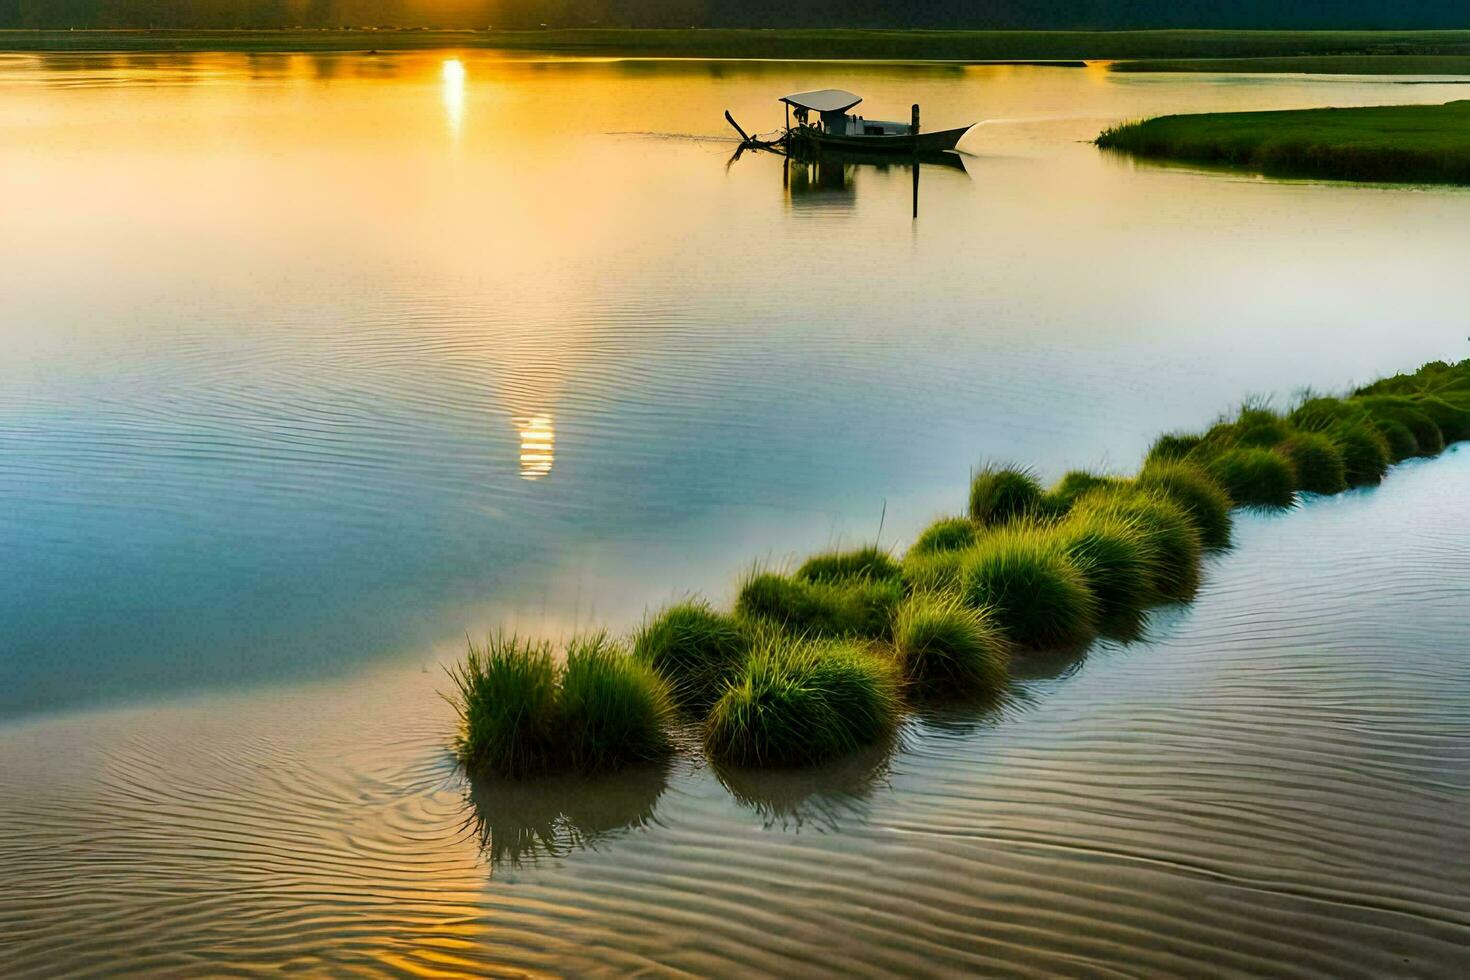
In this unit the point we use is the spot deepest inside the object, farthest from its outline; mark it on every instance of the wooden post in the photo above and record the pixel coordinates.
(914, 126)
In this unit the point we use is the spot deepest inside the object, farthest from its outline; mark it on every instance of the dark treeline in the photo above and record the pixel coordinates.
(1040, 14)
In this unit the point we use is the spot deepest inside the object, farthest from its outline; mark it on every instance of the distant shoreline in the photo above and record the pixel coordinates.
(1356, 52)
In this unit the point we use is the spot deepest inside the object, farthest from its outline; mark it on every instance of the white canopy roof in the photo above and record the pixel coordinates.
(824, 100)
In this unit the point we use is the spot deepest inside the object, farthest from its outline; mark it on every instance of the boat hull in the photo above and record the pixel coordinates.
(922, 143)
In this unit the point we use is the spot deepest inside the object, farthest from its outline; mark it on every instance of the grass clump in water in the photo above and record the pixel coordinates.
(695, 649)
(800, 701)
(1388, 409)
(944, 648)
(949, 534)
(999, 494)
(1317, 461)
(521, 715)
(855, 608)
(1365, 453)
(1197, 493)
(1075, 484)
(1453, 421)
(1171, 537)
(843, 566)
(1174, 446)
(505, 695)
(1116, 560)
(1255, 477)
(937, 571)
(614, 710)
(1035, 592)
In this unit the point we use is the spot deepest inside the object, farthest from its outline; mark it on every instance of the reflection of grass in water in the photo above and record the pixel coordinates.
(825, 795)
(520, 820)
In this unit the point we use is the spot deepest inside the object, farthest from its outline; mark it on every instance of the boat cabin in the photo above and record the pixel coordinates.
(830, 106)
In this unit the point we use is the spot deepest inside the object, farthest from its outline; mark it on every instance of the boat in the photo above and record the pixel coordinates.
(823, 119)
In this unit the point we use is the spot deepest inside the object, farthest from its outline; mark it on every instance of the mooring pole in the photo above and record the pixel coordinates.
(914, 133)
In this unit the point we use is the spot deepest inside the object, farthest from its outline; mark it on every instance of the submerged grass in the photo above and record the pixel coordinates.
(800, 701)
(1414, 143)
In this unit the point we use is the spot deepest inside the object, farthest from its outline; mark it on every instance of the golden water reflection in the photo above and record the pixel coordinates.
(453, 75)
(538, 445)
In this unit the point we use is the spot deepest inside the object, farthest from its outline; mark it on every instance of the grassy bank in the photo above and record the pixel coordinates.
(1312, 64)
(1419, 144)
(972, 46)
(818, 663)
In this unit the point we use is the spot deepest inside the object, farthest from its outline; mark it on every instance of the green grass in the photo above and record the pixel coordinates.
(946, 649)
(1317, 461)
(1003, 45)
(1396, 435)
(1197, 493)
(695, 649)
(1173, 446)
(855, 608)
(1255, 477)
(505, 695)
(1075, 484)
(800, 701)
(1004, 493)
(1403, 410)
(1453, 421)
(1320, 413)
(867, 563)
(935, 571)
(1322, 64)
(1413, 143)
(522, 715)
(1118, 562)
(1172, 538)
(1035, 592)
(948, 534)
(614, 710)
(1365, 453)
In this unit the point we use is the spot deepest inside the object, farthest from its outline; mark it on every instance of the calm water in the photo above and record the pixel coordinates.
(309, 366)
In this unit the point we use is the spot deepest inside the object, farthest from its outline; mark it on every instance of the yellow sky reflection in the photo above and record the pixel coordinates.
(538, 445)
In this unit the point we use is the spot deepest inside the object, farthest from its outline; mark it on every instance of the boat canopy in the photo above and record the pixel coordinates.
(823, 100)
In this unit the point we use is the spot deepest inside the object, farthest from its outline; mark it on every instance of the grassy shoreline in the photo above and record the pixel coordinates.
(817, 663)
(1405, 144)
(1181, 46)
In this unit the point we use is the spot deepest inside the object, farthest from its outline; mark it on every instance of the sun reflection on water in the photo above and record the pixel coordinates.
(453, 75)
(538, 445)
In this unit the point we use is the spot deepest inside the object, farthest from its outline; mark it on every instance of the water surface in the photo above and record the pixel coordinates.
(309, 366)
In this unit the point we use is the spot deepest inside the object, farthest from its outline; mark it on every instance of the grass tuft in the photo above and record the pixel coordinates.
(1035, 592)
(800, 701)
(1255, 477)
(1173, 446)
(1365, 452)
(1001, 494)
(1317, 461)
(944, 648)
(1200, 496)
(695, 649)
(1389, 409)
(614, 710)
(1074, 485)
(1174, 541)
(949, 534)
(1116, 559)
(855, 608)
(867, 563)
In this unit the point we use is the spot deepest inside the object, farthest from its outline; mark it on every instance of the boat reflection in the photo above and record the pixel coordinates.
(828, 179)
(519, 821)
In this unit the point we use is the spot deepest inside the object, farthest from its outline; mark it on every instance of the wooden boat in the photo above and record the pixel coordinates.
(835, 127)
